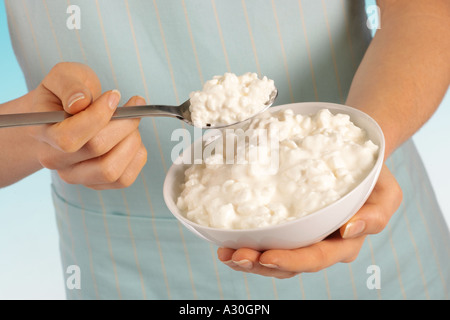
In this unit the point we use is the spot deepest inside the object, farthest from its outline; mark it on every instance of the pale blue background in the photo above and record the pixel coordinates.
(29, 257)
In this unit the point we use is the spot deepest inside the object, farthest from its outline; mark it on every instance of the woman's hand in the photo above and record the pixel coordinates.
(87, 148)
(342, 246)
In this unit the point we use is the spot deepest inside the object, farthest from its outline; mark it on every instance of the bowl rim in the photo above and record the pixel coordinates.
(321, 105)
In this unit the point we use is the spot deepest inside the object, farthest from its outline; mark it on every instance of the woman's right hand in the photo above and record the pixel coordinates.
(86, 148)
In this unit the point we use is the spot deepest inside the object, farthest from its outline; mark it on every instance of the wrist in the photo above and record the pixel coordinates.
(23, 104)
(21, 159)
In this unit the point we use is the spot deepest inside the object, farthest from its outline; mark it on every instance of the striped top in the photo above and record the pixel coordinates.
(125, 242)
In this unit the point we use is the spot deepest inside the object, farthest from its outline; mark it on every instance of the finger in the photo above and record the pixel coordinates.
(315, 257)
(240, 260)
(247, 260)
(74, 132)
(129, 175)
(112, 134)
(225, 254)
(74, 84)
(106, 169)
(373, 217)
(244, 257)
(100, 144)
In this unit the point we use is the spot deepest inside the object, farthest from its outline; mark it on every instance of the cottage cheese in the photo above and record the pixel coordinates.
(320, 159)
(229, 99)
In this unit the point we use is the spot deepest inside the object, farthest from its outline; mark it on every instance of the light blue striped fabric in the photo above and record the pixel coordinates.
(126, 242)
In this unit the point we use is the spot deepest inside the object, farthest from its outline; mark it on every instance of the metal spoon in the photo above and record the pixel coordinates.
(181, 112)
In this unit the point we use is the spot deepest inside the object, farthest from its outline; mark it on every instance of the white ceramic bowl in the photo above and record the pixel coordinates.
(297, 233)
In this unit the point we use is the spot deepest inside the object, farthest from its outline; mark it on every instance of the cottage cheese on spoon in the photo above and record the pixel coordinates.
(229, 99)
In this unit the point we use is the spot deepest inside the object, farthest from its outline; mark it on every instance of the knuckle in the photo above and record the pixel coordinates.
(350, 258)
(58, 67)
(66, 176)
(109, 172)
(125, 181)
(101, 117)
(97, 146)
(95, 187)
(135, 137)
(130, 175)
(142, 155)
(381, 219)
(353, 253)
(398, 194)
(66, 143)
(285, 275)
(65, 67)
(47, 160)
(59, 70)
(315, 269)
(320, 256)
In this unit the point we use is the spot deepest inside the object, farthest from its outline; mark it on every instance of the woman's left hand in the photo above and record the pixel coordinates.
(341, 246)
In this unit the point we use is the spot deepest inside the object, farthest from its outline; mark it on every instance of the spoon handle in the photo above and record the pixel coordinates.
(30, 119)
(146, 111)
(36, 118)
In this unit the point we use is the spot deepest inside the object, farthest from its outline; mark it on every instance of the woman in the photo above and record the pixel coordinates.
(107, 175)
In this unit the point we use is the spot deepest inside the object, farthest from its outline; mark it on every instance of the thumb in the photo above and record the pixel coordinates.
(74, 84)
(78, 100)
(383, 202)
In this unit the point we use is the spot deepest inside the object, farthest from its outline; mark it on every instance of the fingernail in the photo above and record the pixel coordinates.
(74, 98)
(269, 265)
(354, 229)
(246, 264)
(113, 99)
